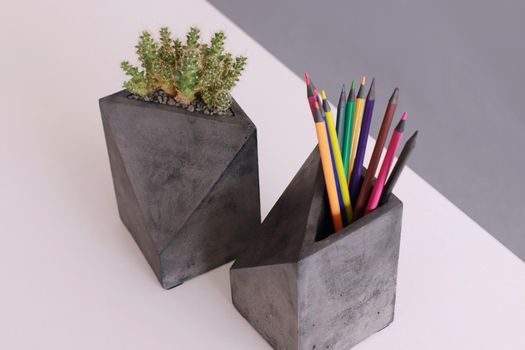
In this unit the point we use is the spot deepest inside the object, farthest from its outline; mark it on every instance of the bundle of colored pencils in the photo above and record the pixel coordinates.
(342, 147)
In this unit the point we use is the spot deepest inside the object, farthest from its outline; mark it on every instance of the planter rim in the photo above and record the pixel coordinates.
(238, 117)
(304, 238)
(311, 246)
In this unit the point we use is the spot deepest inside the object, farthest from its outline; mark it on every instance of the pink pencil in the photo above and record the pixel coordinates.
(395, 140)
(311, 93)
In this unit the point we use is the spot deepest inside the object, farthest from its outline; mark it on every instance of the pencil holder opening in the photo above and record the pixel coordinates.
(325, 226)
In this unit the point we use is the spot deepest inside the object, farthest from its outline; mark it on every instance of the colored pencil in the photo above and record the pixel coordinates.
(368, 182)
(334, 166)
(395, 139)
(311, 93)
(349, 123)
(326, 162)
(338, 160)
(334, 198)
(357, 174)
(398, 168)
(341, 107)
(356, 128)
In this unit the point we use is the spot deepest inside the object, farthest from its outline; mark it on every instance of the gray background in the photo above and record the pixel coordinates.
(460, 68)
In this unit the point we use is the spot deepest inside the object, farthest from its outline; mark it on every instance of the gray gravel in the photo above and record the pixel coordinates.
(198, 106)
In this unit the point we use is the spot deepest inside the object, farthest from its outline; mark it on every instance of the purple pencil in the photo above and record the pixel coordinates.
(356, 180)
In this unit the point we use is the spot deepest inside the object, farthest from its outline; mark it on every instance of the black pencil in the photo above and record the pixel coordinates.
(398, 168)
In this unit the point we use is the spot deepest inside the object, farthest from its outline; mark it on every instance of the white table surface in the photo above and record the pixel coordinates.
(73, 278)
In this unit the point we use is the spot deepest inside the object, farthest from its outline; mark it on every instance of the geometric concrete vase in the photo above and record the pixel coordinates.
(303, 289)
(187, 184)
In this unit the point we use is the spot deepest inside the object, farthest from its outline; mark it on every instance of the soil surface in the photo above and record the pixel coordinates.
(198, 106)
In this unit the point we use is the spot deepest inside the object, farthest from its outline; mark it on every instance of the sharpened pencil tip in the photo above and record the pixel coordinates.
(394, 97)
(361, 91)
(372, 92)
(325, 104)
(318, 117)
(342, 98)
(351, 93)
(411, 142)
(310, 91)
(400, 127)
(307, 78)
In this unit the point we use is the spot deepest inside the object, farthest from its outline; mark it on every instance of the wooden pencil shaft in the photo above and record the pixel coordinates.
(373, 201)
(334, 167)
(356, 129)
(398, 168)
(349, 123)
(338, 162)
(356, 176)
(366, 187)
(341, 108)
(328, 173)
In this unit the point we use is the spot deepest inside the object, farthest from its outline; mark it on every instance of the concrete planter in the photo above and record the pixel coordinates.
(187, 184)
(302, 290)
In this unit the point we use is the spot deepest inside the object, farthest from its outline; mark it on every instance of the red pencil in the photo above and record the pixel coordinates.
(395, 140)
(311, 93)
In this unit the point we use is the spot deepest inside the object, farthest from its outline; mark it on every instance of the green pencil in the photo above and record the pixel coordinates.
(349, 123)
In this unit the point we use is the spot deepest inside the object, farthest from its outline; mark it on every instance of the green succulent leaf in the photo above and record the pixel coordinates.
(185, 71)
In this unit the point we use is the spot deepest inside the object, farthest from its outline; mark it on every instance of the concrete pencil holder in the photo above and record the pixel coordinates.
(186, 183)
(301, 289)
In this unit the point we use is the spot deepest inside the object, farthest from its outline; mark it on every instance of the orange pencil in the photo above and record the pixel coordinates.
(328, 169)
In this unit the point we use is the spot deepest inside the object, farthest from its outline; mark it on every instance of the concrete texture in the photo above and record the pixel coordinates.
(459, 66)
(187, 184)
(302, 291)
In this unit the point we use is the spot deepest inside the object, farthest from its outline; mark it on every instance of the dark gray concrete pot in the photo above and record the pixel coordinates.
(302, 291)
(187, 184)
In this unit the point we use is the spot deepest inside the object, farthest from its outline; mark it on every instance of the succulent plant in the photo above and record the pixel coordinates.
(185, 71)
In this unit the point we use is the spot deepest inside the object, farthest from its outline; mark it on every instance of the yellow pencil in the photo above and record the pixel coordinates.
(356, 129)
(340, 169)
(326, 161)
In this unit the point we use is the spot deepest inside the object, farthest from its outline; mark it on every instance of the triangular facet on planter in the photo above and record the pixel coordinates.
(186, 183)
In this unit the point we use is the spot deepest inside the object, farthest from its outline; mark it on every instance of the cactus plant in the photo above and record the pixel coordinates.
(185, 71)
